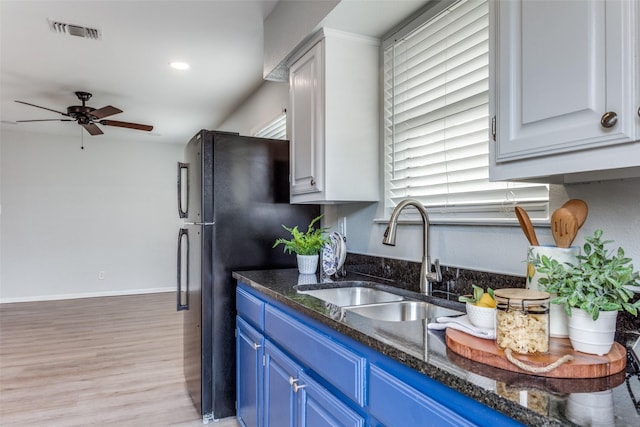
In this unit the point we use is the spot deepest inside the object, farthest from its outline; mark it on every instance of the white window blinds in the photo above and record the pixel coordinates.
(436, 124)
(276, 129)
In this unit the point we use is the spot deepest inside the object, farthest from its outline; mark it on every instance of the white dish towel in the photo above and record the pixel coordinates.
(463, 324)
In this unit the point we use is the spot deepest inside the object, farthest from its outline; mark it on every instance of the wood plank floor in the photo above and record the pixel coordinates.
(111, 361)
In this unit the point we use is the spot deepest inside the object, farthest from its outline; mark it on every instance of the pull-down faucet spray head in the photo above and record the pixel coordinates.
(390, 235)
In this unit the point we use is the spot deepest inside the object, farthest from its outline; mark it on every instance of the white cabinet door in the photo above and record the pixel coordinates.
(563, 70)
(306, 129)
(334, 119)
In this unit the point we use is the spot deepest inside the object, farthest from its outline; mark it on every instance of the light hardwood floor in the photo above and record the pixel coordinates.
(111, 361)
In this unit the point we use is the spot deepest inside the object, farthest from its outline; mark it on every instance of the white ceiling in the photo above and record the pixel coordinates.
(128, 68)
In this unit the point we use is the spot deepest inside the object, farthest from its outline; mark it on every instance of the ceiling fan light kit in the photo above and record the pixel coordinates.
(87, 117)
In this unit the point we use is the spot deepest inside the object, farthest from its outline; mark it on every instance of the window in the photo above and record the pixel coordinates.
(436, 124)
(276, 129)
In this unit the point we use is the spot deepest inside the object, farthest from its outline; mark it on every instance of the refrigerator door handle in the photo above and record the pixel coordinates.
(183, 235)
(183, 172)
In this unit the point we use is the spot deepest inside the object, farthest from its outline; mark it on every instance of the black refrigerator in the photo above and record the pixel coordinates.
(233, 196)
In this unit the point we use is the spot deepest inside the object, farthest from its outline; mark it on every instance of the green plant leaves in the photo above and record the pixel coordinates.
(598, 282)
(308, 243)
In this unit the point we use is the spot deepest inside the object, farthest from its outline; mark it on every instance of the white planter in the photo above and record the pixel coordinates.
(307, 264)
(589, 336)
(558, 319)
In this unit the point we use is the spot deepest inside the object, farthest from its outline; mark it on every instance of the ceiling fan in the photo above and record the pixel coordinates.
(89, 117)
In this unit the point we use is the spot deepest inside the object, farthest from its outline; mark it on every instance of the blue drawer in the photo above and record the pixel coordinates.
(397, 404)
(336, 364)
(250, 308)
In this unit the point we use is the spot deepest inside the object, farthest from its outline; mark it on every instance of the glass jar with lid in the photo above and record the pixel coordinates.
(522, 320)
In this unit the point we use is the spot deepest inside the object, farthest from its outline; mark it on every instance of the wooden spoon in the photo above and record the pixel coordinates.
(564, 227)
(527, 227)
(579, 208)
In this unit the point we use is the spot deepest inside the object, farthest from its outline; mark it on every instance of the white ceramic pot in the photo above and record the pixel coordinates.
(558, 319)
(307, 264)
(589, 336)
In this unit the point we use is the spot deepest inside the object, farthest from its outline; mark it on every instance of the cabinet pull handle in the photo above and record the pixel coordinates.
(292, 380)
(183, 190)
(313, 182)
(297, 387)
(638, 111)
(609, 119)
(183, 235)
(256, 346)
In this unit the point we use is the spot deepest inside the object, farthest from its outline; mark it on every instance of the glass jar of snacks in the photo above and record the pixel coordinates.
(522, 320)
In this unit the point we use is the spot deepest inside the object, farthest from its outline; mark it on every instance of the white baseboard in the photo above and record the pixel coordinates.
(87, 295)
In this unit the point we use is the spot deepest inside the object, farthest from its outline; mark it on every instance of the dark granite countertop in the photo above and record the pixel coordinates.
(532, 400)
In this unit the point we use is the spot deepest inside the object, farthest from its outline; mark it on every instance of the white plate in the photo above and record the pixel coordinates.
(342, 245)
(330, 256)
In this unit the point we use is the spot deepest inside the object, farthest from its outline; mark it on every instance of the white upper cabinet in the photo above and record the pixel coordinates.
(333, 119)
(565, 95)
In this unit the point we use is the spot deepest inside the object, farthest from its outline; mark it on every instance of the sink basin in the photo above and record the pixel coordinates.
(351, 296)
(403, 311)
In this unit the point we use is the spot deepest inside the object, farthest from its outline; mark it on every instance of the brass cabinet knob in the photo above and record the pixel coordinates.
(609, 119)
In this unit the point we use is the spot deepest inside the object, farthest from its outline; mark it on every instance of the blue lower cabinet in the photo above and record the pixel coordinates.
(319, 408)
(297, 372)
(280, 373)
(249, 351)
(340, 366)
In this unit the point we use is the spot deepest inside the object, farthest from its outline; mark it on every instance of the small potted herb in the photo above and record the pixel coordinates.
(595, 288)
(306, 246)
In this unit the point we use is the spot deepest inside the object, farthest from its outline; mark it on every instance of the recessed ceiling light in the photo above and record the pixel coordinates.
(177, 65)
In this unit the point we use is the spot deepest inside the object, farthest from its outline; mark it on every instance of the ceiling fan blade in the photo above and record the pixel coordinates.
(46, 120)
(44, 108)
(92, 129)
(105, 111)
(128, 125)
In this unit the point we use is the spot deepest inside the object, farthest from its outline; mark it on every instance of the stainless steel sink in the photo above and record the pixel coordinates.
(403, 311)
(352, 296)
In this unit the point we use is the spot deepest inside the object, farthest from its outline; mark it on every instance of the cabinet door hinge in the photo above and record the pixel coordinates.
(493, 127)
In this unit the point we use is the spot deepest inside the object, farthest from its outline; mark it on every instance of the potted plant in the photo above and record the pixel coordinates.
(593, 290)
(305, 245)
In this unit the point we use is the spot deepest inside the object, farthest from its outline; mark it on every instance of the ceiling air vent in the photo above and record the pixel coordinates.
(75, 30)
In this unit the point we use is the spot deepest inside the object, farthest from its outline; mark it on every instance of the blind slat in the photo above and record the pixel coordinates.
(277, 129)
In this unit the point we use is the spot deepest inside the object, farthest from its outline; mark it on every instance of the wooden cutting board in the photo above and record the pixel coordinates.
(583, 365)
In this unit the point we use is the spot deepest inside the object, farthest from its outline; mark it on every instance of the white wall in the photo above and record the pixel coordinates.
(69, 213)
(614, 207)
(287, 26)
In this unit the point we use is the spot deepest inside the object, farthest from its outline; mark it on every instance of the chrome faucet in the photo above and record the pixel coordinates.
(426, 276)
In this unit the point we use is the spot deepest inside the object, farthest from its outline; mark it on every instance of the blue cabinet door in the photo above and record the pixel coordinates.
(280, 373)
(249, 346)
(319, 408)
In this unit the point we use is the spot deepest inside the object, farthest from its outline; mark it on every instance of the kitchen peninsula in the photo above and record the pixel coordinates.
(525, 399)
